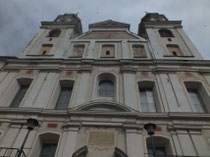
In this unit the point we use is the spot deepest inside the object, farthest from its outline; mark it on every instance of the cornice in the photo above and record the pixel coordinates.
(126, 65)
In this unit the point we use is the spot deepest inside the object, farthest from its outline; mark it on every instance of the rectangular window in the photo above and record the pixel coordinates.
(108, 51)
(19, 96)
(64, 98)
(196, 100)
(48, 150)
(147, 100)
(138, 51)
(45, 49)
(78, 50)
(174, 50)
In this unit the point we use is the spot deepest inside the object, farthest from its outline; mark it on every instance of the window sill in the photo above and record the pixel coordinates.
(179, 56)
(107, 57)
(41, 55)
(140, 57)
(75, 57)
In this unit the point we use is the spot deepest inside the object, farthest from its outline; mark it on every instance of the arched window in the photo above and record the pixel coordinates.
(162, 146)
(54, 33)
(165, 33)
(106, 88)
(46, 145)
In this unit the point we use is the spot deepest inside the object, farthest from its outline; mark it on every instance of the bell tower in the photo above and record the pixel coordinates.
(167, 38)
(53, 38)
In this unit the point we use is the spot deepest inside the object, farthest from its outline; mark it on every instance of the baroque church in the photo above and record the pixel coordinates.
(93, 93)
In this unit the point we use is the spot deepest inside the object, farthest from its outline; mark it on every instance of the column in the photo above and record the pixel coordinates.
(134, 139)
(46, 90)
(186, 143)
(130, 90)
(68, 142)
(200, 143)
(82, 89)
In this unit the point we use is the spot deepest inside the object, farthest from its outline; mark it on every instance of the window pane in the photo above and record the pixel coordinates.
(19, 96)
(160, 151)
(64, 98)
(48, 150)
(196, 100)
(106, 88)
(147, 100)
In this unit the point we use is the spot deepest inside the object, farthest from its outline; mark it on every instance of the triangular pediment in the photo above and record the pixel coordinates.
(108, 106)
(109, 24)
(109, 34)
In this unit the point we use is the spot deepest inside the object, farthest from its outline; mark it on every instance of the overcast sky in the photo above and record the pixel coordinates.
(20, 19)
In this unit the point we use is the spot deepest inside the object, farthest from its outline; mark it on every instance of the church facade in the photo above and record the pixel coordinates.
(92, 93)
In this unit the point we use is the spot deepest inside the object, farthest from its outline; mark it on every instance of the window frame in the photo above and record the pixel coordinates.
(63, 107)
(20, 82)
(101, 44)
(202, 92)
(180, 53)
(166, 36)
(49, 137)
(54, 30)
(139, 45)
(42, 49)
(100, 90)
(72, 51)
(55, 96)
(160, 141)
(141, 84)
(101, 76)
(108, 56)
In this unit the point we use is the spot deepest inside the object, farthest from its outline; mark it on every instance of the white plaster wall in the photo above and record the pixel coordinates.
(80, 96)
(180, 94)
(186, 143)
(34, 92)
(69, 143)
(135, 147)
(46, 90)
(200, 143)
(130, 93)
(169, 91)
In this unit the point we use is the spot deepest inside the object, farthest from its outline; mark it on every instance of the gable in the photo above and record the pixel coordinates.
(108, 35)
(109, 24)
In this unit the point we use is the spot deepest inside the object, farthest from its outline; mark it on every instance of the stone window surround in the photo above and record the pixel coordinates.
(175, 45)
(201, 87)
(150, 84)
(71, 48)
(169, 139)
(103, 76)
(40, 139)
(50, 53)
(166, 29)
(101, 44)
(55, 95)
(52, 31)
(131, 44)
(14, 87)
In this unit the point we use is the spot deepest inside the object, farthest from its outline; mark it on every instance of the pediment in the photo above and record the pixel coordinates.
(109, 24)
(104, 106)
(109, 34)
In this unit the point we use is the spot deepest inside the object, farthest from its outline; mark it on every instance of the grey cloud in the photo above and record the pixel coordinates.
(20, 19)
